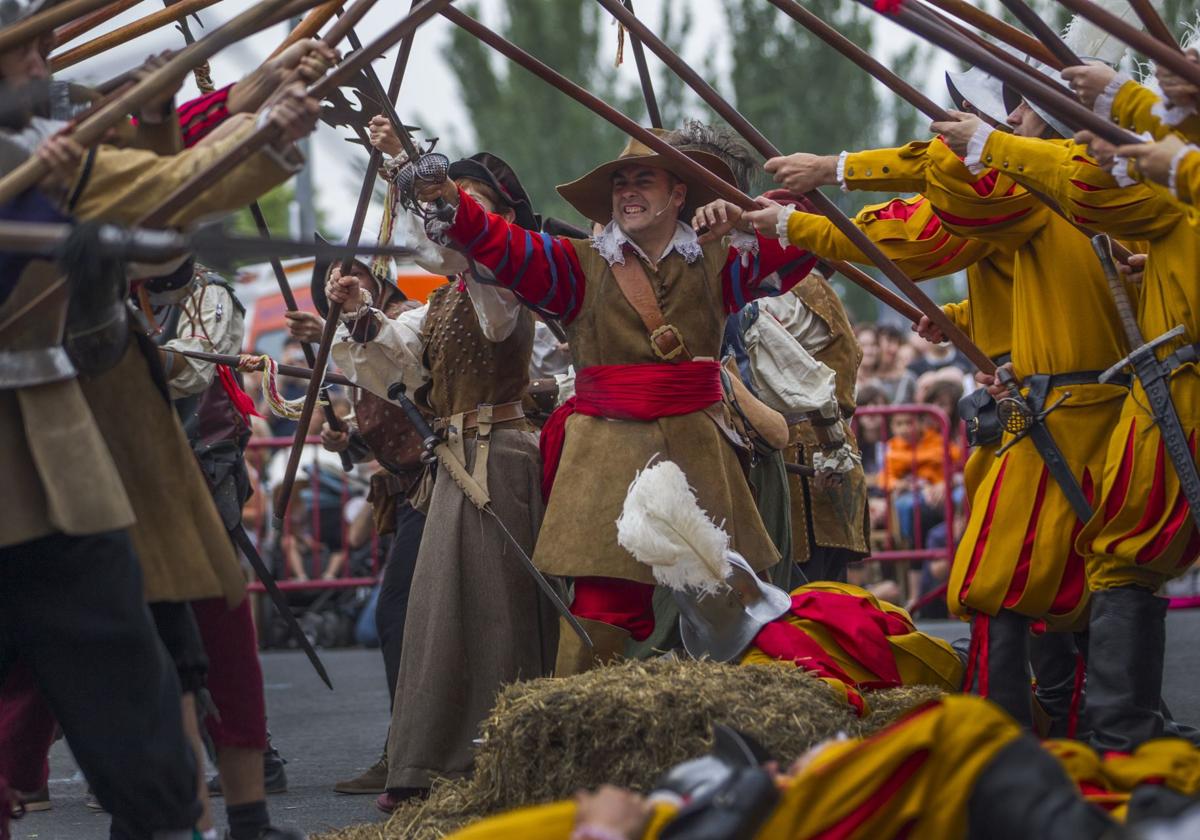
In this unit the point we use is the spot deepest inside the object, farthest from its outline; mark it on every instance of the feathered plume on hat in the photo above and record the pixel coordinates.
(663, 526)
(1090, 41)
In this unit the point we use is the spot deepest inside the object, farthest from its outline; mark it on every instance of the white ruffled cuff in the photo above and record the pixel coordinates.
(745, 243)
(841, 171)
(974, 156)
(1103, 106)
(1172, 115)
(1121, 166)
(1180, 155)
(781, 224)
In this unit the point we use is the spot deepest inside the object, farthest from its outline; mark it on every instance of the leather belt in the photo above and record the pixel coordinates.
(489, 414)
(1079, 377)
(1184, 355)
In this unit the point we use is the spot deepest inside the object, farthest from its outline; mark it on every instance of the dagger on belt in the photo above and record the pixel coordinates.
(437, 449)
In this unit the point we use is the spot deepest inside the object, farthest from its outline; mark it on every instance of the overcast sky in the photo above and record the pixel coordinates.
(430, 88)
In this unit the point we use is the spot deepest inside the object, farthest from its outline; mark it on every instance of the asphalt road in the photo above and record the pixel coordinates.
(327, 736)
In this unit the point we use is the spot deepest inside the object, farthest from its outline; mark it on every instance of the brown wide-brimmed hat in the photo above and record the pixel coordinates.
(591, 195)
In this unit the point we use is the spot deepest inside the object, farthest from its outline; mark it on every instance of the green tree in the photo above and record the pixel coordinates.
(547, 137)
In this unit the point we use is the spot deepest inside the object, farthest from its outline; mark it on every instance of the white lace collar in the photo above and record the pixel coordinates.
(611, 241)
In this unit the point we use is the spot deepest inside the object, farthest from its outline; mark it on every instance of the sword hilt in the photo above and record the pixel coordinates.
(1102, 245)
(429, 438)
(1140, 351)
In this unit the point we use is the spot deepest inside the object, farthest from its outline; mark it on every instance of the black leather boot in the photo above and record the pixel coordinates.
(1056, 665)
(1025, 793)
(1125, 668)
(1000, 670)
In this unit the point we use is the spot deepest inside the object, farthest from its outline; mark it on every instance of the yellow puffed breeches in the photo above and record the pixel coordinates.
(1018, 550)
(1143, 533)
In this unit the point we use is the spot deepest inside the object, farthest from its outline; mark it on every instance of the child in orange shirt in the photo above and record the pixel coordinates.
(914, 474)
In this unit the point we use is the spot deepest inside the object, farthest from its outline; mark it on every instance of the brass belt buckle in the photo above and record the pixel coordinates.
(664, 330)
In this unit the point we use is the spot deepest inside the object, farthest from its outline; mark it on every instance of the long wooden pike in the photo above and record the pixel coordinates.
(340, 75)
(85, 24)
(923, 304)
(1153, 21)
(1044, 32)
(128, 32)
(311, 25)
(91, 130)
(916, 19)
(34, 26)
(643, 69)
(998, 29)
(346, 23)
(904, 90)
(1170, 57)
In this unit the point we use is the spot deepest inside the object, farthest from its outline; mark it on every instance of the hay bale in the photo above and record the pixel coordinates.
(625, 725)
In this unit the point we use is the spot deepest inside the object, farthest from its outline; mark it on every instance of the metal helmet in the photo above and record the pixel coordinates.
(12, 11)
(981, 91)
(697, 777)
(722, 625)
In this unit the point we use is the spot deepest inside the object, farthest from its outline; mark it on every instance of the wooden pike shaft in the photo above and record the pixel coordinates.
(1044, 32)
(89, 131)
(127, 33)
(923, 304)
(284, 370)
(185, 193)
(311, 25)
(87, 23)
(1153, 22)
(34, 26)
(901, 88)
(344, 26)
(1168, 56)
(643, 69)
(997, 28)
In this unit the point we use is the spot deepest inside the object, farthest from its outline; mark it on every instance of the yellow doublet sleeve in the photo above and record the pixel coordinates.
(554, 821)
(888, 170)
(1135, 107)
(1187, 179)
(959, 313)
(125, 184)
(1088, 194)
(907, 231)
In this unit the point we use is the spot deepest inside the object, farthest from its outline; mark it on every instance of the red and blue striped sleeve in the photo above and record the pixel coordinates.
(542, 270)
(199, 116)
(769, 271)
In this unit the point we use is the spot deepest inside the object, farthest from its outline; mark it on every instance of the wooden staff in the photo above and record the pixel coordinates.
(345, 25)
(91, 130)
(127, 33)
(87, 23)
(295, 371)
(916, 19)
(643, 69)
(266, 134)
(1147, 45)
(1043, 32)
(311, 25)
(714, 182)
(34, 26)
(1153, 22)
(905, 91)
(997, 28)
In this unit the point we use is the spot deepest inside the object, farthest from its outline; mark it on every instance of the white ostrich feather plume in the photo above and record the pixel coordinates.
(1088, 40)
(663, 526)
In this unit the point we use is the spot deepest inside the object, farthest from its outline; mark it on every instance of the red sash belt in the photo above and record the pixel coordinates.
(629, 392)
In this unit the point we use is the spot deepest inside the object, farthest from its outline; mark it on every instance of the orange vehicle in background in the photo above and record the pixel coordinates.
(258, 290)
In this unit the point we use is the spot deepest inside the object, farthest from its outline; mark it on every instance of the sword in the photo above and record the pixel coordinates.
(242, 540)
(1155, 377)
(437, 449)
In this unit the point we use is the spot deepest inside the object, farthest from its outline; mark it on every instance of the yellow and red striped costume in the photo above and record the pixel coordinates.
(1109, 781)
(913, 779)
(852, 641)
(1142, 532)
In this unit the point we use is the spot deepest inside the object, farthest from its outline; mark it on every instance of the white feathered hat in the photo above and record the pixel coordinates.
(722, 602)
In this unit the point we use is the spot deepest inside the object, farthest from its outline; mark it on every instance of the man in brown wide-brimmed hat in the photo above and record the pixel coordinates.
(644, 303)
